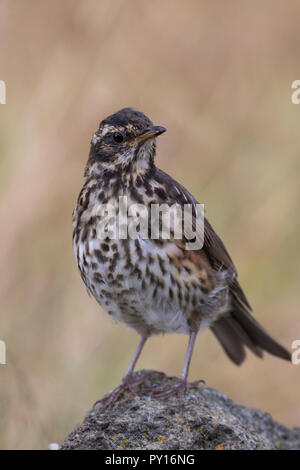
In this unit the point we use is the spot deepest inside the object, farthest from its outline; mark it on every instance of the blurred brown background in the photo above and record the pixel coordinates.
(219, 78)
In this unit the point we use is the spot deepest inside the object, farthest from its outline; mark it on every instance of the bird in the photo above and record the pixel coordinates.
(156, 285)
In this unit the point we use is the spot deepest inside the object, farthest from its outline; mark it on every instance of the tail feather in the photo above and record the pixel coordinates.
(229, 340)
(240, 329)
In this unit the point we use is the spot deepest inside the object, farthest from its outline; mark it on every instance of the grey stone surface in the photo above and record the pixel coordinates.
(205, 419)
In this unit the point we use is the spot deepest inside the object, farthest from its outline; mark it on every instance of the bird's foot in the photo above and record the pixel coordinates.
(128, 384)
(178, 389)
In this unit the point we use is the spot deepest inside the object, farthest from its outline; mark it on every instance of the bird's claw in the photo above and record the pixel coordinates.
(128, 384)
(178, 389)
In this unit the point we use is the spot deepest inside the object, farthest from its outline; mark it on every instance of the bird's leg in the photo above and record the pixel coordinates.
(182, 384)
(127, 382)
(127, 379)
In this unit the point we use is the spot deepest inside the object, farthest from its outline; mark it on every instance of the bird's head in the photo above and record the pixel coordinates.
(123, 139)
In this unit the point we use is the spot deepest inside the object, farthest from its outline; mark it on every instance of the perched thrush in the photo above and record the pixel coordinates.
(156, 285)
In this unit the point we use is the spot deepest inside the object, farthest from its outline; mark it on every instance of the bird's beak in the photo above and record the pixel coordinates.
(149, 133)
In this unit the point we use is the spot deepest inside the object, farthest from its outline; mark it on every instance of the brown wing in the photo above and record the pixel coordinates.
(238, 328)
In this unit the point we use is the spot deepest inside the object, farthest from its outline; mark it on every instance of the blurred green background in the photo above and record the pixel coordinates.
(218, 76)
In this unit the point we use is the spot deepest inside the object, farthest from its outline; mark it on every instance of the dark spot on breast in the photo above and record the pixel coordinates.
(108, 175)
(158, 242)
(114, 261)
(161, 193)
(84, 234)
(100, 257)
(98, 278)
(85, 202)
(148, 188)
(116, 187)
(92, 221)
(136, 196)
(150, 259)
(107, 294)
(188, 270)
(137, 272)
(138, 249)
(161, 265)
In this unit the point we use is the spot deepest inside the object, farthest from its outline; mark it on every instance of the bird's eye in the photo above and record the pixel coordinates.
(118, 137)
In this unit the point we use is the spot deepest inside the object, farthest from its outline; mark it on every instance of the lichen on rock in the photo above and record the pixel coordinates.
(205, 419)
